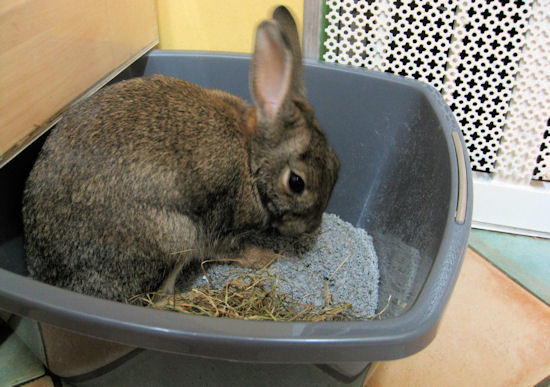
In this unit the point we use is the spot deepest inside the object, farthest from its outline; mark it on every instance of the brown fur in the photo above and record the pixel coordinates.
(152, 172)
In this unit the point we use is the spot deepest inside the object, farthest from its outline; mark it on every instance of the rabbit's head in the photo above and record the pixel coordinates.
(294, 167)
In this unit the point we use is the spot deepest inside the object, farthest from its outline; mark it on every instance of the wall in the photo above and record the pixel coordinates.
(216, 25)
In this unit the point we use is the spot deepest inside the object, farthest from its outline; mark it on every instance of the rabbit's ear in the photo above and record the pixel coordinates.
(290, 32)
(270, 70)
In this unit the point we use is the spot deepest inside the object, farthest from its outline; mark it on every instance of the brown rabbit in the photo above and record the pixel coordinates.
(151, 173)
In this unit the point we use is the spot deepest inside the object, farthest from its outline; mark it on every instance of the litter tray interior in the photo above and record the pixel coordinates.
(396, 177)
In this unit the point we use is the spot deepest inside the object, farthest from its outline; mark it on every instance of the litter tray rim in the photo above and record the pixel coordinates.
(263, 341)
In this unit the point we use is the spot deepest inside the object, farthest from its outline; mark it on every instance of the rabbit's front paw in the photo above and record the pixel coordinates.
(257, 257)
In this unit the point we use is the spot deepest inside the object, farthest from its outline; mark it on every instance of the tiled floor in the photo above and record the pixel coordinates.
(44, 381)
(523, 258)
(493, 333)
(17, 363)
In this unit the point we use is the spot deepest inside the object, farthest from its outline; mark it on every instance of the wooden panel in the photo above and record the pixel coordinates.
(313, 13)
(51, 51)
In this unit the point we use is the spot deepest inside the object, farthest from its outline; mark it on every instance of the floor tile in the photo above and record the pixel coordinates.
(493, 333)
(44, 381)
(17, 363)
(525, 259)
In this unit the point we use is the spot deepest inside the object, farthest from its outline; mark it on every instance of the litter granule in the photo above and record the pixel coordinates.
(338, 254)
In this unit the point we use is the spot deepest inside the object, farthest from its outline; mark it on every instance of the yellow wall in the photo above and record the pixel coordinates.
(216, 25)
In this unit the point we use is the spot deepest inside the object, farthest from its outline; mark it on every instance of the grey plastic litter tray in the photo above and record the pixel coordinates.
(405, 178)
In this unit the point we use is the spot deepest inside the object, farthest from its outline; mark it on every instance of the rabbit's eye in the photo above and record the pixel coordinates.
(296, 183)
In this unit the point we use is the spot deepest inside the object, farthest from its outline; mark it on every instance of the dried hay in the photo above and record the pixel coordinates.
(249, 296)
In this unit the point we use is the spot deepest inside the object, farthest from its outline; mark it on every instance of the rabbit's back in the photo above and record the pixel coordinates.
(103, 205)
(151, 173)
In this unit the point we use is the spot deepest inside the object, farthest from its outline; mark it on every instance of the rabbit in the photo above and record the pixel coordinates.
(151, 173)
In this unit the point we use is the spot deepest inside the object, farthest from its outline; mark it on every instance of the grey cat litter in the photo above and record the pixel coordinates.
(338, 254)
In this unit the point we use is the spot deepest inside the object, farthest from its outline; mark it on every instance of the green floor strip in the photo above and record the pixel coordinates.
(525, 259)
(17, 363)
